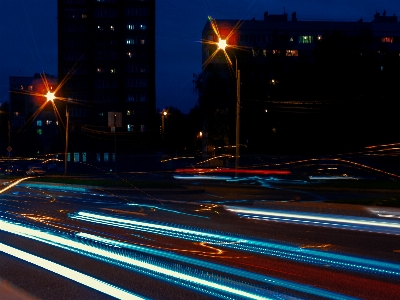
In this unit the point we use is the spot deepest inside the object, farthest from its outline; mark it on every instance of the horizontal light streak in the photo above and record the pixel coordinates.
(244, 244)
(119, 259)
(313, 217)
(71, 274)
(230, 170)
(221, 268)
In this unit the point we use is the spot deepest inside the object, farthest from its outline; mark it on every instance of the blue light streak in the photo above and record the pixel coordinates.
(221, 268)
(71, 274)
(315, 257)
(212, 285)
(326, 220)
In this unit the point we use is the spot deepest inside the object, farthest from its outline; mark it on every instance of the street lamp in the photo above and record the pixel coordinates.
(222, 44)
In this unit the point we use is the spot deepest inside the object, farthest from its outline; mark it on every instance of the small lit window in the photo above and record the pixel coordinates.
(128, 112)
(387, 39)
(319, 37)
(100, 28)
(98, 159)
(21, 87)
(99, 70)
(130, 27)
(112, 28)
(84, 156)
(105, 157)
(264, 53)
(129, 127)
(276, 52)
(142, 42)
(48, 122)
(39, 131)
(142, 27)
(142, 128)
(292, 53)
(305, 39)
(273, 81)
(113, 71)
(291, 39)
(76, 156)
(17, 113)
(129, 54)
(30, 88)
(130, 41)
(39, 122)
(84, 16)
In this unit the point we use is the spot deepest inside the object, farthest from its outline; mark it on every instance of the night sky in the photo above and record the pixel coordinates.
(28, 31)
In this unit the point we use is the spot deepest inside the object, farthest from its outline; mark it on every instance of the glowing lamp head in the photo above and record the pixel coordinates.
(164, 113)
(222, 44)
(50, 96)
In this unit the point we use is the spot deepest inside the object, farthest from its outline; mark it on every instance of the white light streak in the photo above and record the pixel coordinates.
(76, 276)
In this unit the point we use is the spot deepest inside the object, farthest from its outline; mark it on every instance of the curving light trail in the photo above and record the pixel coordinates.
(212, 285)
(71, 274)
(355, 264)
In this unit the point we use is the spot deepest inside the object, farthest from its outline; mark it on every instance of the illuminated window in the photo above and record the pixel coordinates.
(130, 41)
(112, 28)
(113, 71)
(39, 131)
(105, 157)
(305, 39)
(142, 42)
(291, 39)
(264, 53)
(100, 28)
(98, 157)
(142, 128)
(39, 122)
(21, 87)
(129, 127)
(128, 112)
(142, 27)
(273, 81)
(130, 27)
(30, 88)
(319, 37)
(387, 39)
(84, 156)
(84, 16)
(292, 53)
(276, 52)
(48, 122)
(76, 156)
(99, 70)
(129, 54)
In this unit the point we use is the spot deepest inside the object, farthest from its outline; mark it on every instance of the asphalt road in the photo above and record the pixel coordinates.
(208, 239)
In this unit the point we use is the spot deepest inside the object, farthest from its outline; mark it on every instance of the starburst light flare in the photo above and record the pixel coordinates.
(223, 43)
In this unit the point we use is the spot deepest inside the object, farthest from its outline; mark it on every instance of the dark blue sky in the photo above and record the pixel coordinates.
(28, 34)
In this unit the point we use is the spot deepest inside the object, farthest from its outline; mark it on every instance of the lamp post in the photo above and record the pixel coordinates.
(237, 117)
(222, 44)
(66, 140)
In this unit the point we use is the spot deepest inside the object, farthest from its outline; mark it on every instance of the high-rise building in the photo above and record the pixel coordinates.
(33, 127)
(106, 64)
(302, 83)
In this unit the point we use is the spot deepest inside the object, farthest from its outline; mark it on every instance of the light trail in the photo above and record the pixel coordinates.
(221, 268)
(211, 285)
(356, 264)
(345, 222)
(71, 274)
(12, 184)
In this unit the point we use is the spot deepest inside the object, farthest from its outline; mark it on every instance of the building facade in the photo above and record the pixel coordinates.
(33, 121)
(305, 81)
(106, 66)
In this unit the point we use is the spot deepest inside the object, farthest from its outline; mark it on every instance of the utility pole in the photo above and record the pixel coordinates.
(66, 140)
(237, 118)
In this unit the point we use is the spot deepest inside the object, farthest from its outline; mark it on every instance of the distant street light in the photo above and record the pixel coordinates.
(222, 45)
